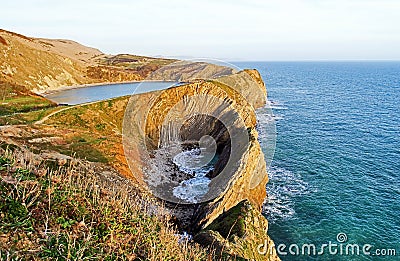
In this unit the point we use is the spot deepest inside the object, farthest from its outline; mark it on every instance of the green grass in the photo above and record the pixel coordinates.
(96, 130)
(81, 146)
(230, 223)
(20, 104)
(71, 214)
(134, 61)
(27, 117)
(17, 99)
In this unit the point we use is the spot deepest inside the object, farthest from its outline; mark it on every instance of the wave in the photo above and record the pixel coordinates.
(197, 163)
(278, 117)
(266, 115)
(276, 105)
(283, 187)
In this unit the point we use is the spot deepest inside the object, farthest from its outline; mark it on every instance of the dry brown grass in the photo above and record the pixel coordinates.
(70, 211)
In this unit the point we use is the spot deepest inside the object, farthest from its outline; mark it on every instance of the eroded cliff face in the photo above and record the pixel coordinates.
(250, 178)
(241, 187)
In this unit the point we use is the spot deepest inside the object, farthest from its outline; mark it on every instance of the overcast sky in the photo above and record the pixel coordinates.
(229, 30)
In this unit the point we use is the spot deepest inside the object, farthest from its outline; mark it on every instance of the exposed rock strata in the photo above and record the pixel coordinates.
(245, 184)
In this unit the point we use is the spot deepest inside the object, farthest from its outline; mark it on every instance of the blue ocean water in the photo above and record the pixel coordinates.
(336, 167)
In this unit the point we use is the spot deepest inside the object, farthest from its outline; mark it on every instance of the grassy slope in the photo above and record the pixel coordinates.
(98, 129)
(42, 63)
(29, 117)
(67, 212)
(19, 106)
(15, 98)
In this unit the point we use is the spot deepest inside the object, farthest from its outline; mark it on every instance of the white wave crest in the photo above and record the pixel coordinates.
(283, 187)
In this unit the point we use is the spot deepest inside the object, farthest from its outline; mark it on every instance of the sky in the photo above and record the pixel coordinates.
(252, 30)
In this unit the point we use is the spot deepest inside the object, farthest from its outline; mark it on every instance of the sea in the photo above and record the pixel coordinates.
(335, 175)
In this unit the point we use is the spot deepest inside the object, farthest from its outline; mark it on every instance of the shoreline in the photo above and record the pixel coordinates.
(86, 85)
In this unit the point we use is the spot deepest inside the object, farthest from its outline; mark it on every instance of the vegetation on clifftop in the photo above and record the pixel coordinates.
(16, 99)
(65, 211)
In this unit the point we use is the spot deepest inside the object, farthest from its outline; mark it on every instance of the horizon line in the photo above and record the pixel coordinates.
(320, 60)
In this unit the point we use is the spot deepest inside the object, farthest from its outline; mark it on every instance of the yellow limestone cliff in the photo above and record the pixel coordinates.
(237, 206)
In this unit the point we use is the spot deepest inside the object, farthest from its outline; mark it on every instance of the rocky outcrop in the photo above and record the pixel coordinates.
(250, 85)
(240, 232)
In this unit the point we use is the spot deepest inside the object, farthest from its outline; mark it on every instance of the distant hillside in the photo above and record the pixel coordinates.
(43, 64)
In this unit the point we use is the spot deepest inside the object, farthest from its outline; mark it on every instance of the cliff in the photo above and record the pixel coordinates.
(239, 178)
(237, 188)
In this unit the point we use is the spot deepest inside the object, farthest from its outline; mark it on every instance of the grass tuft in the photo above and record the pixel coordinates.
(70, 213)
